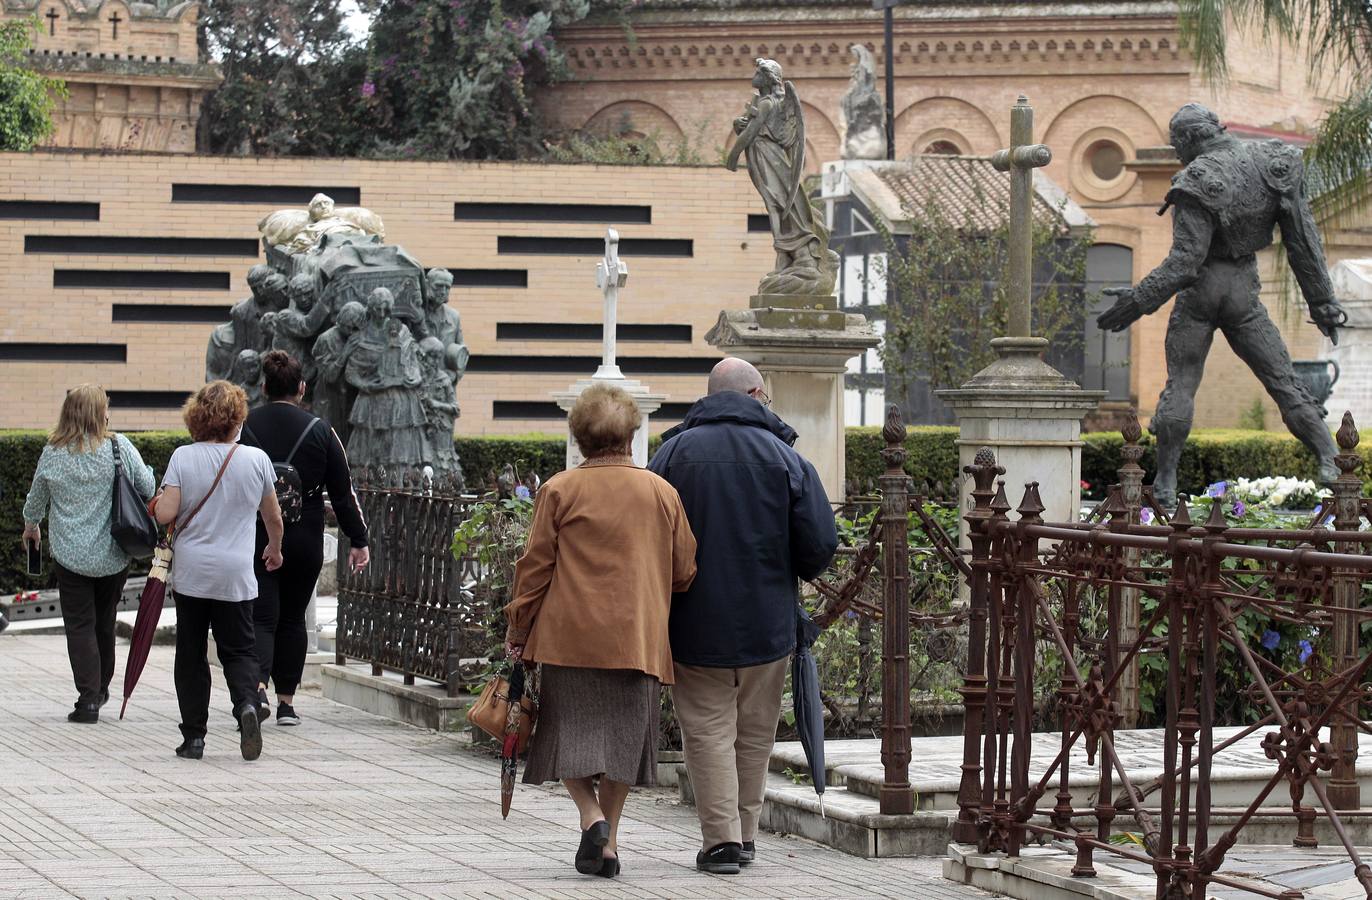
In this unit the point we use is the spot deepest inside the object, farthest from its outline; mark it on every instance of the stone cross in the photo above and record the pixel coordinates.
(610, 275)
(115, 20)
(1020, 161)
(52, 18)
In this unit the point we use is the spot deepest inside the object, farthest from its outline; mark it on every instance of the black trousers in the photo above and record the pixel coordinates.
(283, 597)
(233, 635)
(88, 608)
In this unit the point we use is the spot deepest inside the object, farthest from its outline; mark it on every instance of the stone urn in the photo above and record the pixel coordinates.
(1317, 376)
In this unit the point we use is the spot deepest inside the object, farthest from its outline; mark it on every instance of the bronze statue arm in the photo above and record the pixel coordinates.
(1305, 252)
(1192, 228)
(749, 134)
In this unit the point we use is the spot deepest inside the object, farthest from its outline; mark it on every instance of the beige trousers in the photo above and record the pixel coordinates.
(728, 725)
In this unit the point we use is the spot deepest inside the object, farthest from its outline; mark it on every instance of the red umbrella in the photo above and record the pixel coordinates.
(509, 747)
(149, 612)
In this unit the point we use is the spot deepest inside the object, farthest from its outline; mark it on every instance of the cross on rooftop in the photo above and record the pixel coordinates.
(115, 20)
(52, 18)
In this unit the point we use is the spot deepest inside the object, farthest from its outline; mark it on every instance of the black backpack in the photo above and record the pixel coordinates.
(290, 490)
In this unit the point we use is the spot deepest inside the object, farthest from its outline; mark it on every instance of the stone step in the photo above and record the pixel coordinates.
(850, 822)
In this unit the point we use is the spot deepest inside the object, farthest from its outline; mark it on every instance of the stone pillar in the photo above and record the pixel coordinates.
(1353, 355)
(801, 345)
(1029, 415)
(647, 402)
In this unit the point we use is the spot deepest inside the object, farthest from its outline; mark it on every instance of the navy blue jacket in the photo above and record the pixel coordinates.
(761, 520)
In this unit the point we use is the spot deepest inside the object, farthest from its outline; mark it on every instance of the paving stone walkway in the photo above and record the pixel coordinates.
(347, 805)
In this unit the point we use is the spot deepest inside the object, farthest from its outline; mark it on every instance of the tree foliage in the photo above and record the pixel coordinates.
(452, 78)
(949, 298)
(26, 97)
(1338, 36)
(288, 68)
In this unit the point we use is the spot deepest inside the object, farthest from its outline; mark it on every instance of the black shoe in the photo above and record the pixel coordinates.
(590, 855)
(748, 853)
(85, 714)
(264, 706)
(721, 859)
(609, 867)
(191, 748)
(285, 715)
(249, 732)
(104, 697)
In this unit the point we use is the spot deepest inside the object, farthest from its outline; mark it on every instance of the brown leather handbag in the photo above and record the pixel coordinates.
(491, 712)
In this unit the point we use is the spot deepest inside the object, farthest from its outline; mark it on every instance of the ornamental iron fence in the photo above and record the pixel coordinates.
(415, 609)
(1059, 595)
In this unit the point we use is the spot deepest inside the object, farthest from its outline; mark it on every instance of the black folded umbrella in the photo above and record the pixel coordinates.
(809, 708)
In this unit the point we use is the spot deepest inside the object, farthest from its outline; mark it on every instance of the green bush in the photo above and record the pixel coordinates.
(931, 457)
(482, 458)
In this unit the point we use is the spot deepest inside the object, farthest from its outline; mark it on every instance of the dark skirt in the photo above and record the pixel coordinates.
(595, 722)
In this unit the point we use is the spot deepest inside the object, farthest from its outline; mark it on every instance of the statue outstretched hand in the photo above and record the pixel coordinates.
(1328, 318)
(1124, 313)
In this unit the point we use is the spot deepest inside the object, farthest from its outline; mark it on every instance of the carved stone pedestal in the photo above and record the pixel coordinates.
(1353, 355)
(1030, 416)
(801, 345)
(647, 402)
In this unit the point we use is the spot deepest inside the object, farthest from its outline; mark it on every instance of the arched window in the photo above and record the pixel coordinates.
(943, 148)
(1107, 353)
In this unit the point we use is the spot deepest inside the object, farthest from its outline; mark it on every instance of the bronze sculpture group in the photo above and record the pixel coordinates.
(381, 350)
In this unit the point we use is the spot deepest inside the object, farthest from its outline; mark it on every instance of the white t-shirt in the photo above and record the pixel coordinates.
(213, 557)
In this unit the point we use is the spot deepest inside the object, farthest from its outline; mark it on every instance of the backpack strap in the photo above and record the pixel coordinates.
(300, 440)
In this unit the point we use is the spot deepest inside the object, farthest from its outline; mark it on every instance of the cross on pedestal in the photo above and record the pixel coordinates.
(611, 273)
(1020, 160)
(115, 20)
(52, 18)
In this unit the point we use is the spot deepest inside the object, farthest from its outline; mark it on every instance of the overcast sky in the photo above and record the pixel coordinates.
(357, 22)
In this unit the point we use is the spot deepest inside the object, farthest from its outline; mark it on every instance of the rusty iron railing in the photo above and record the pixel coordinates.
(407, 611)
(1030, 583)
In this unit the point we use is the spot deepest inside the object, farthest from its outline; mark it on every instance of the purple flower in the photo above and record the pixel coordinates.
(368, 89)
(1239, 508)
(1306, 651)
(1145, 516)
(1270, 639)
(522, 492)
(1217, 489)
(850, 614)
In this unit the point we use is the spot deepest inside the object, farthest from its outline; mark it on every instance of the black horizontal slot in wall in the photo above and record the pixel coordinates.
(147, 399)
(539, 409)
(571, 365)
(298, 195)
(133, 279)
(168, 312)
(44, 209)
(552, 212)
(140, 246)
(568, 331)
(759, 222)
(62, 353)
(593, 246)
(490, 278)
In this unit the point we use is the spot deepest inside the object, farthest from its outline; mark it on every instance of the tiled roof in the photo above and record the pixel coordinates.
(968, 189)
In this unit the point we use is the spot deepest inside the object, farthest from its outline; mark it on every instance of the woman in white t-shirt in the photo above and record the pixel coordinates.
(215, 489)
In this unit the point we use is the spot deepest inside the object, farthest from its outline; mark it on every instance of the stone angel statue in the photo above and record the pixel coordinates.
(771, 132)
(300, 230)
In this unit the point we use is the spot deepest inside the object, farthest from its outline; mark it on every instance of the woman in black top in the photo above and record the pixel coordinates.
(278, 427)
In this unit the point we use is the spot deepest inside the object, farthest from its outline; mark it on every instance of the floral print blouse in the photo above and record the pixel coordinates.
(74, 492)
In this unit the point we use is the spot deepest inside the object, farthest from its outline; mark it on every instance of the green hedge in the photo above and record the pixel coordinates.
(1210, 456)
(932, 459)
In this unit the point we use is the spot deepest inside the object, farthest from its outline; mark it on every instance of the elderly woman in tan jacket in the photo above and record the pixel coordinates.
(609, 544)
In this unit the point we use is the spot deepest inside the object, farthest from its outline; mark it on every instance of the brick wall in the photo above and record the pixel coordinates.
(708, 207)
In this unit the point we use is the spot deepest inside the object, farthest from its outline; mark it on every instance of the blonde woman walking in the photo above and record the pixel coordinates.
(72, 488)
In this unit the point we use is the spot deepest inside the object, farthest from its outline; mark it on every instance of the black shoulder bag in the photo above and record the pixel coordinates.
(131, 527)
(290, 490)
